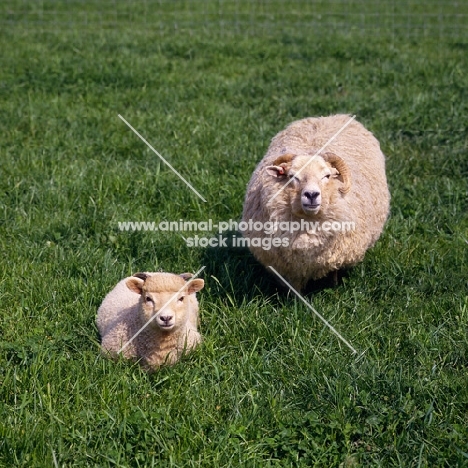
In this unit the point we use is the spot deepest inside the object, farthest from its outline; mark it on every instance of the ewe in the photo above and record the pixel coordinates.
(165, 303)
(341, 194)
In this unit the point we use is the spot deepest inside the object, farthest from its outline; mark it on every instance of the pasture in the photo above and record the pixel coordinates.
(208, 84)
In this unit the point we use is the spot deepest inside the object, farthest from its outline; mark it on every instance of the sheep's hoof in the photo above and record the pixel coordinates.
(336, 277)
(332, 280)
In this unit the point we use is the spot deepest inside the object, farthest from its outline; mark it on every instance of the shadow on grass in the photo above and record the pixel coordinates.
(237, 272)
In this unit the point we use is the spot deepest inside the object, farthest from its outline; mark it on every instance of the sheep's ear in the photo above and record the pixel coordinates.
(135, 284)
(344, 174)
(195, 285)
(186, 276)
(281, 166)
(277, 171)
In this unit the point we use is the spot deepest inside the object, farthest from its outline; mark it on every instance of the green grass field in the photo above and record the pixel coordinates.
(270, 385)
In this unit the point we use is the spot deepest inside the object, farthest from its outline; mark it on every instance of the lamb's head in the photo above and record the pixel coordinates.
(311, 181)
(166, 298)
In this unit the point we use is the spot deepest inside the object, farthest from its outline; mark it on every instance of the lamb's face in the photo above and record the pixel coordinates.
(307, 182)
(165, 299)
(166, 310)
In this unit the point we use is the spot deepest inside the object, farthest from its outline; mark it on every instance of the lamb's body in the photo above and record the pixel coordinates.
(124, 312)
(365, 203)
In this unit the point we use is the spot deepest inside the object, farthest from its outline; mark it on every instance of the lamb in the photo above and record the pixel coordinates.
(165, 303)
(344, 186)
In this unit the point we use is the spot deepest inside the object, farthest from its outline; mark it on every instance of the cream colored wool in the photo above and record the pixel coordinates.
(164, 298)
(312, 255)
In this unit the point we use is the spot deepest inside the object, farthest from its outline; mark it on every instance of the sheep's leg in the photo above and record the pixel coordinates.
(335, 278)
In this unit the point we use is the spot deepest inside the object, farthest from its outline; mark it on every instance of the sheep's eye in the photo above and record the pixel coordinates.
(327, 176)
(181, 299)
(148, 299)
(295, 178)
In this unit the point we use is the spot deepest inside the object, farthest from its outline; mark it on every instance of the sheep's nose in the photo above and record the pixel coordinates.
(311, 196)
(166, 318)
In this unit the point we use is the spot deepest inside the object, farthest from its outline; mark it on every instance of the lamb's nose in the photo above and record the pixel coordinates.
(312, 196)
(165, 318)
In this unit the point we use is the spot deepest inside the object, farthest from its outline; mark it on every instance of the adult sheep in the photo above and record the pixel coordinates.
(328, 172)
(151, 318)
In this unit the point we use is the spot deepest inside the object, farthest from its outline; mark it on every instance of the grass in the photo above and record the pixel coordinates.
(270, 385)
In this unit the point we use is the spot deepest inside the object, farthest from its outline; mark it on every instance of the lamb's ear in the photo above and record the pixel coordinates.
(135, 284)
(281, 166)
(142, 276)
(344, 174)
(186, 276)
(195, 285)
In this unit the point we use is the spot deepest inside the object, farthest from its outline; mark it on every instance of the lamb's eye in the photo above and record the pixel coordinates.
(327, 176)
(181, 299)
(148, 299)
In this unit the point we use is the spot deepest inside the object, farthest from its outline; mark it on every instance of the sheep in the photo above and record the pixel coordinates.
(345, 183)
(165, 303)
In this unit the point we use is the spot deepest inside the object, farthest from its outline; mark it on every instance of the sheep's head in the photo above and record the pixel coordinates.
(165, 297)
(311, 181)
